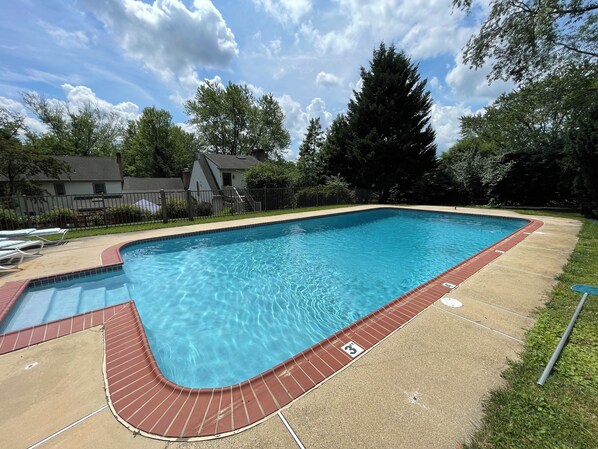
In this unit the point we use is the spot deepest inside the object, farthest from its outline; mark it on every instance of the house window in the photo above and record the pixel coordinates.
(99, 187)
(59, 188)
(227, 179)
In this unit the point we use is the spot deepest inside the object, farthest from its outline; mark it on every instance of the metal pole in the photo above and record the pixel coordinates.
(561, 345)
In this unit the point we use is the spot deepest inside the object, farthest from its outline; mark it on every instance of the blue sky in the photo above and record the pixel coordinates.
(124, 55)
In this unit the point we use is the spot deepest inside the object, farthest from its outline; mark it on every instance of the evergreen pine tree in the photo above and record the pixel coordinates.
(389, 143)
(308, 163)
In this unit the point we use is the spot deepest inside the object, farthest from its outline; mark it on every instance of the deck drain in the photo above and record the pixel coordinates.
(30, 365)
(449, 285)
(451, 302)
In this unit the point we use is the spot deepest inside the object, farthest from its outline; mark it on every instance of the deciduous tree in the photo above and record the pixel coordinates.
(230, 120)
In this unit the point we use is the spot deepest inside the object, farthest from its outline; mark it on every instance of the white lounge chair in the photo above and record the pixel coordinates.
(20, 245)
(8, 256)
(41, 233)
(17, 233)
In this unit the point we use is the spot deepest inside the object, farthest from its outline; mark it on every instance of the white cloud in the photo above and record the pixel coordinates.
(285, 10)
(64, 37)
(423, 28)
(469, 84)
(166, 36)
(446, 122)
(78, 97)
(327, 80)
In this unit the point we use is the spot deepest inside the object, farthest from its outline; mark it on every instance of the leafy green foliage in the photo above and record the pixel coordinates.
(516, 153)
(333, 193)
(562, 414)
(10, 220)
(271, 174)
(386, 139)
(155, 147)
(19, 162)
(126, 213)
(582, 144)
(230, 120)
(525, 40)
(56, 218)
(309, 162)
(86, 132)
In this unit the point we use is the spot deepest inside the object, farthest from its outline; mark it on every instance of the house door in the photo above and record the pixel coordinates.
(227, 179)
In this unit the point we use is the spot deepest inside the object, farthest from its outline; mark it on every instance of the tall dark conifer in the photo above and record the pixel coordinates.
(390, 141)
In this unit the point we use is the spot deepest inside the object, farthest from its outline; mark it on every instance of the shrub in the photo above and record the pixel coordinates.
(57, 217)
(204, 209)
(271, 175)
(10, 220)
(126, 213)
(176, 208)
(333, 193)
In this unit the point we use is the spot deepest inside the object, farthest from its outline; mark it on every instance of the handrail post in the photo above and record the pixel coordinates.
(561, 345)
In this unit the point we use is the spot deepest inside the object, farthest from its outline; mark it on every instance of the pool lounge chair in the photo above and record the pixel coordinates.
(41, 233)
(20, 245)
(8, 256)
(18, 233)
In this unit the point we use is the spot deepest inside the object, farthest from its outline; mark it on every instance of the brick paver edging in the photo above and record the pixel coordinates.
(145, 401)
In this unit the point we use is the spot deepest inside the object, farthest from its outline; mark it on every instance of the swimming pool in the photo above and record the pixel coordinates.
(222, 307)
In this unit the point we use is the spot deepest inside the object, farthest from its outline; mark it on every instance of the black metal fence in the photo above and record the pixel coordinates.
(114, 209)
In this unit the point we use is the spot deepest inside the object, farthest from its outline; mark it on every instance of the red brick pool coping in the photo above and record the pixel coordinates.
(145, 401)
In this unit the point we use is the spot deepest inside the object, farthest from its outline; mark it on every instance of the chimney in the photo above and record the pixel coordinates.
(119, 161)
(259, 154)
(186, 178)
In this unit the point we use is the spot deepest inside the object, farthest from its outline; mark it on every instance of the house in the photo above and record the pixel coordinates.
(89, 175)
(142, 192)
(220, 179)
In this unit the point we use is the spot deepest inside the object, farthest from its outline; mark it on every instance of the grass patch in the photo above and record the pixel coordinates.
(563, 413)
(77, 233)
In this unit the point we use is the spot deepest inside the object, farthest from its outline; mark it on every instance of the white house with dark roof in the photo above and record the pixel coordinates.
(220, 177)
(88, 176)
(218, 172)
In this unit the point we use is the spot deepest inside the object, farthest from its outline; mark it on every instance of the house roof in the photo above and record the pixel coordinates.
(86, 168)
(231, 162)
(132, 184)
(207, 171)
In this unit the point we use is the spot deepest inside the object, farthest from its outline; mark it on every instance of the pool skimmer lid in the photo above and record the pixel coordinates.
(451, 302)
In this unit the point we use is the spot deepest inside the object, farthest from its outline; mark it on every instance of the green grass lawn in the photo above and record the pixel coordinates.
(562, 413)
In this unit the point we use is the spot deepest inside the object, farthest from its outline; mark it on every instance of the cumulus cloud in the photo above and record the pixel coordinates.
(325, 79)
(446, 123)
(285, 10)
(469, 84)
(78, 97)
(166, 36)
(423, 28)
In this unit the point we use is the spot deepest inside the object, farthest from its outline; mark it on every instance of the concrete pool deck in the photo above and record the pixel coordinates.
(421, 387)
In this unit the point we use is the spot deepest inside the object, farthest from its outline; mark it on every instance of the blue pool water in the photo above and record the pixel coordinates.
(222, 307)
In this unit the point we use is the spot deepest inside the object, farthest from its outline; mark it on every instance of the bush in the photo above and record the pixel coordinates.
(57, 218)
(126, 213)
(204, 209)
(10, 220)
(176, 208)
(332, 193)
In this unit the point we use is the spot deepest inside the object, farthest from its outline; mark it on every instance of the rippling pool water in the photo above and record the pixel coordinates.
(222, 307)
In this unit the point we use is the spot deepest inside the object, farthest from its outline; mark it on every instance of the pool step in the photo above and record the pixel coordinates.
(67, 305)
(92, 299)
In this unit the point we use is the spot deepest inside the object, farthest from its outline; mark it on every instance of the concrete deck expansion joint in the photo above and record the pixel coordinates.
(144, 401)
